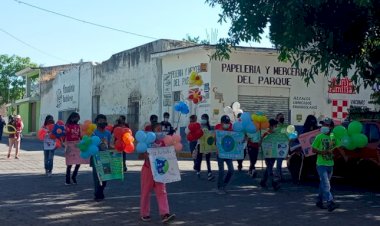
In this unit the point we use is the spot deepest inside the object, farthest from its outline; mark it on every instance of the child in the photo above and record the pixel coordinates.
(121, 122)
(253, 152)
(49, 146)
(11, 137)
(105, 137)
(206, 127)
(225, 124)
(323, 146)
(195, 132)
(72, 129)
(281, 124)
(148, 184)
(166, 126)
(269, 162)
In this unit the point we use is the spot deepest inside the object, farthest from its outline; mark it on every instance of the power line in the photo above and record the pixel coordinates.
(87, 22)
(27, 44)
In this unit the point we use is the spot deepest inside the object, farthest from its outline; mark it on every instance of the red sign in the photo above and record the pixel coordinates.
(344, 86)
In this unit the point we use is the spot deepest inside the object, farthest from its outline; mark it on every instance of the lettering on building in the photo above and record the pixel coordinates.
(345, 86)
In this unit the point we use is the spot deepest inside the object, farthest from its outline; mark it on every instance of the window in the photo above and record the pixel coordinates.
(372, 132)
(176, 96)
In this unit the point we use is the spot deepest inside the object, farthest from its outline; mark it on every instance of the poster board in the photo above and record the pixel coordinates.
(207, 142)
(230, 144)
(109, 165)
(72, 154)
(275, 145)
(164, 164)
(306, 139)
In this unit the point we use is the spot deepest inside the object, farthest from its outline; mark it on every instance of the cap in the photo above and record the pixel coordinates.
(225, 119)
(327, 121)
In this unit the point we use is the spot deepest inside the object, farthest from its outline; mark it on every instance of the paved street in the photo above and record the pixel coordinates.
(27, 197)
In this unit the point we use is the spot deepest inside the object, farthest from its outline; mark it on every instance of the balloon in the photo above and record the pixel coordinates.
(176, 138)
(85, 154)
(150, 137)
(60, 122)
(346, 141)
(245, 117)
(42, 133)
(177, 107)
(168, 140)
(141, 147)
(236, 106)
(119, 145)
(129, 148)
(128, 138)
(250, 128)
(185, 111)
(95, 140)
(87, 122)
(92, 149)
(360, 140)
(58, 143)
(354, 127)
(228, 110)
(178, 147)
(340, 132)
(293, 135)
(265, 125)
(237, 126)
(140, 136)
(351, 146)
(290, 129)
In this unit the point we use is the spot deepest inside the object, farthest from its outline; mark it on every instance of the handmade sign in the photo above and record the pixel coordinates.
(164, 165)
(230, 144)
(306, 139)
(109, 165)
(275, 145)
(207, 142)
(72, 154)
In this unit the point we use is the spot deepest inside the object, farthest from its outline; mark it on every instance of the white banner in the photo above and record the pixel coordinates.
(66, 91)
(164, 165)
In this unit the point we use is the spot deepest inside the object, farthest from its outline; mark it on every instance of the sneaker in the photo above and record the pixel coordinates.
(320, 205)
(146, 218)
(74, 179)
(167, 217)
(331, 206)
(221, 191)
(210, 177)
(199, 175)
(67, 184)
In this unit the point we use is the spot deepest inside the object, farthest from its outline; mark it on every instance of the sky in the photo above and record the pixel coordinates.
(49, 39)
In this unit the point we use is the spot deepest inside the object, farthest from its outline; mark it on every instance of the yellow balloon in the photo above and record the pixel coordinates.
(290, 129)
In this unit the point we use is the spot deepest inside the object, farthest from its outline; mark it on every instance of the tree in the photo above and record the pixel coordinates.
(12, 87)
(327, 34)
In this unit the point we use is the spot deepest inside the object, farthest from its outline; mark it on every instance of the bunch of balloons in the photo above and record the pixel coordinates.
(291, 132)
(89, 146)
(144, 140)
(194, 131)
(124, 140)
(352, 137)
(245, 125)
(55, 131)
(236, 108)
(229, 112)
(88, 128)
(174, 140)
(58, 131)
(195, 79)
(182, 108)
(260, 120)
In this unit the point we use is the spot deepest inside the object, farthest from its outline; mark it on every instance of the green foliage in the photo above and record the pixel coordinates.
(196, 40)
(12, 87)
(329, 35)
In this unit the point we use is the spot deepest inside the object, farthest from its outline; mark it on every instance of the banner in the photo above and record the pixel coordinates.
(275, 145)
(72, 154)
(230, 144)
(306, 139)
(109, 165)
(207, 142)
(164, 165)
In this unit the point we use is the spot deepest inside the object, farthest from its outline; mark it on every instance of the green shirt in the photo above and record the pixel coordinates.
(323, 143)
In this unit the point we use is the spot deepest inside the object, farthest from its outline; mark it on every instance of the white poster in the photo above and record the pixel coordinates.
(164, 165)
(66, 91)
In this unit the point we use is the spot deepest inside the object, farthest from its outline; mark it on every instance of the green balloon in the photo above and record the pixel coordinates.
(346, 141)
(351, 146)
(355, 127)
(360, 140)
(340, 132)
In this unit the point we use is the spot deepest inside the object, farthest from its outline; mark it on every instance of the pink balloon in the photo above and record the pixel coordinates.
(168, 140)
(176, 138)
(178, 147)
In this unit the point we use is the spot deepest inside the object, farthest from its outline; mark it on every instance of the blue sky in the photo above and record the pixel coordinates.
(63, 40)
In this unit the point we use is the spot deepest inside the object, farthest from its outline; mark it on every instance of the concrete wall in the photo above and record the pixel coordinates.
(24, 113)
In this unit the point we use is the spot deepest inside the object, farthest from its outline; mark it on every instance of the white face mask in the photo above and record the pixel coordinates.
(166, 119)
(325, 129)
(226, 126)
(203, 121)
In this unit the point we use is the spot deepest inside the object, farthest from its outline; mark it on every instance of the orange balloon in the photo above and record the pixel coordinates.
(129, 148)
(265, 125)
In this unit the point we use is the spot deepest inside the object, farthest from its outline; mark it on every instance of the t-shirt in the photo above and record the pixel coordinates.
(167, 127)
(105, 138)
(323, 142)
(220, 127)
(72, 132)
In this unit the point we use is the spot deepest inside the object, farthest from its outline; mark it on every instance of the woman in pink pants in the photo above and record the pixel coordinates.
(148, 184)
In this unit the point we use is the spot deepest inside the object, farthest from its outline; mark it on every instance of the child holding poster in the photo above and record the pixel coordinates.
(269, 162)
(105, 138)
(205, 123)
(225, 124)
(148, 184)
(194, 133)
(72, 152)
(49, 146)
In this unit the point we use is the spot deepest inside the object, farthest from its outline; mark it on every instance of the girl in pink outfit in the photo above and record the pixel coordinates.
(148, 184)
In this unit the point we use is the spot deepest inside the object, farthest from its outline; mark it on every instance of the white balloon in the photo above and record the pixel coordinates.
(236, 106)
(228, 110)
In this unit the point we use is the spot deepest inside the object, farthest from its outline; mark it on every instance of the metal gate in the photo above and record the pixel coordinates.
(269, 105)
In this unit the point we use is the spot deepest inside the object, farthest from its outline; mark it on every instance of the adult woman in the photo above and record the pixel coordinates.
(15, 139)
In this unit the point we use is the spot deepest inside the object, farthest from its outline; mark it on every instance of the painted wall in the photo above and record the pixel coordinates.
(24, 113)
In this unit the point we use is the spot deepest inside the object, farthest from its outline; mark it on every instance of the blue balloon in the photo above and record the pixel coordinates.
(140, 136)
(246, 117)
(250, 128)
(237, 126)
(141, 147)
(150, 137)
(92, 149)
(177, 107)
(185, 111)
(293, 135)
(85, 154)
(95, 140)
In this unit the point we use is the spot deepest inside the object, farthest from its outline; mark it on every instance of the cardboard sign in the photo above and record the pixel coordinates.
(306, 139)
(230, 144)
(164, 165)
(275, 145)
(109, 165)
(207, 142)
(72, 154)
